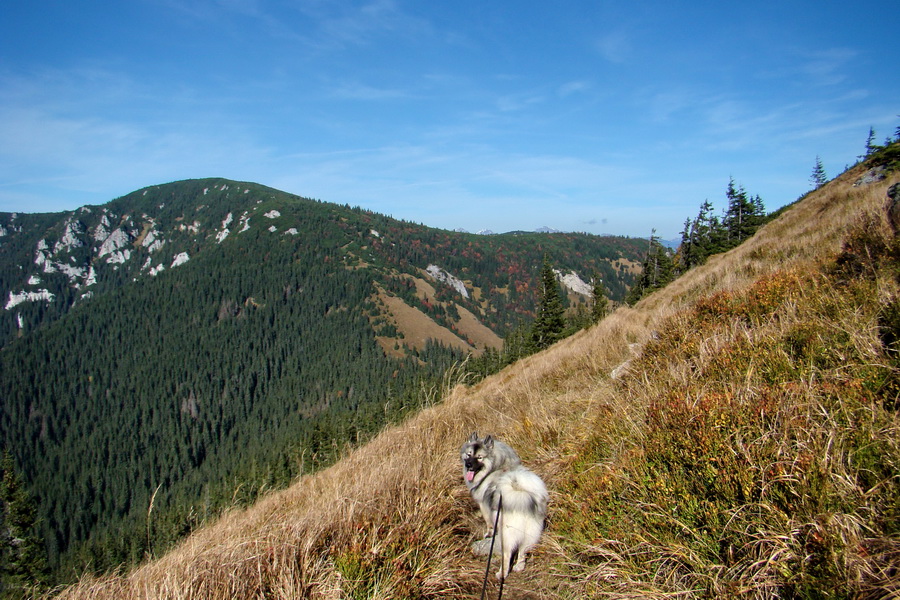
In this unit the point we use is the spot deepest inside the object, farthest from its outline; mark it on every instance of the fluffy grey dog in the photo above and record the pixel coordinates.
(492, 470)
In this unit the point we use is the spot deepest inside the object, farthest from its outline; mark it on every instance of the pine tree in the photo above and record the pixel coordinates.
(23, 562)
(739, 216)
(687, 248)
(550, 323)
(516, 344)
(600, 303)
(818, 177)
(698, 238)
(663, 267)
(707, 233)
(759, 210)
(870, 143)
(658, 270)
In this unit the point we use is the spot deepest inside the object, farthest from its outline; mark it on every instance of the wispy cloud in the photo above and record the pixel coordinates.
(614, 46)
(664, 104)
(572, 87)
(360, 91)
(336, 25)
(518, 101)
(444, 108)
(321, 25)
(478, 187)
(827, 67)
(820, 67)
(74, 131)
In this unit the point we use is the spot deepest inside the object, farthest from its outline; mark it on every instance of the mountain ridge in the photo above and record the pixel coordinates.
(160, 226)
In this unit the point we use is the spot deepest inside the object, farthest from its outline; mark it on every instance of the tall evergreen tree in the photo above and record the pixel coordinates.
(657, 271)
(870, 143)
(23, 562)
(759, 210)
(687, 237)
(699, 238)
(707, 234)
(739, 215)
(516, 344)
(662, 266)
(600, 303)
(818, 177)
(550, 323)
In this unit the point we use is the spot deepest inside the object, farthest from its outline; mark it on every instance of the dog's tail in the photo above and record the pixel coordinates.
(523, 492)
(522, 517)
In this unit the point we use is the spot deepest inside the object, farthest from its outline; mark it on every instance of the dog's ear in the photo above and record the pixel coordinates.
(474, 437)
(489, 442)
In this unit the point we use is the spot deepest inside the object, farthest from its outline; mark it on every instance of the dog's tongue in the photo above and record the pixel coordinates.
(470, 475)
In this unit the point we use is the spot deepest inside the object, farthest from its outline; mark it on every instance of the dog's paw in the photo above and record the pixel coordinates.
(519, 566)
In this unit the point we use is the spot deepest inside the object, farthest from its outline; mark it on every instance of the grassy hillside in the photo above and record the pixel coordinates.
(747, 446)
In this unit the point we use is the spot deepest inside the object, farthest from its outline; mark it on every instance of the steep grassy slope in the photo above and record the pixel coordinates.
(747, 447)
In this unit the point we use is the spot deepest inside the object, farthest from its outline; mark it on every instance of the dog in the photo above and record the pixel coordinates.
(496, 478)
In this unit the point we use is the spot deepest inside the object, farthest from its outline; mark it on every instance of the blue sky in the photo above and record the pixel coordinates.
(604, 117)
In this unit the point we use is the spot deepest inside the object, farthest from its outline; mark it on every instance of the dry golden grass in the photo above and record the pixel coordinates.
(392, 519)
(474, 330)
(417, 327)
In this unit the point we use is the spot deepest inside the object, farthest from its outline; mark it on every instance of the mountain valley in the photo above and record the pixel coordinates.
(193, 344)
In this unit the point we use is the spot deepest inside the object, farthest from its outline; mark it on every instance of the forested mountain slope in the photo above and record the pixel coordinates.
(732, 435)
(193, 344)
(49, 262)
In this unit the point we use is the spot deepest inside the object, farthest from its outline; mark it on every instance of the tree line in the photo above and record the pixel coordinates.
(703, 236)
(708, 234)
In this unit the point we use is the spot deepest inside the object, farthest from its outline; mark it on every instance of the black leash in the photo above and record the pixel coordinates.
(487, 570)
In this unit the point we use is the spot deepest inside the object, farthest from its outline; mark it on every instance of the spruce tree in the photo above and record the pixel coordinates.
(23, 562)
(687, 249)
(818, 177)
(658, 270)
(759, 212)
(600, 303)
(739, 216)
(550, 323)
(870, 143)
(516, 344)
(705, 235)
